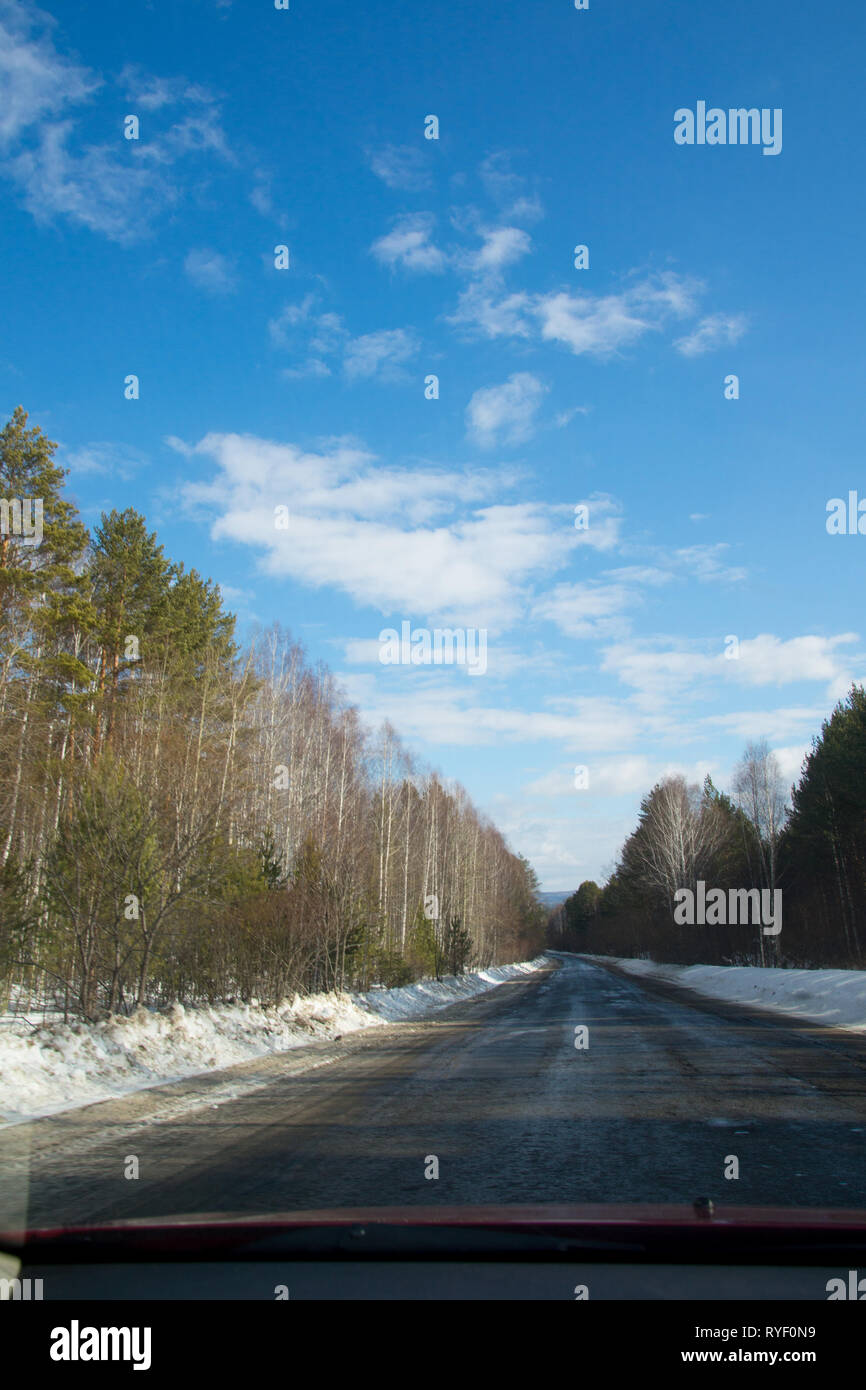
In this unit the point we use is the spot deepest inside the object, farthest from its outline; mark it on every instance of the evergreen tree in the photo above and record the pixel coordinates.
(129, 575)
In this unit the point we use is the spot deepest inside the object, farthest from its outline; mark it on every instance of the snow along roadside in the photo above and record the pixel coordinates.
(60, 1066)
(833, 998)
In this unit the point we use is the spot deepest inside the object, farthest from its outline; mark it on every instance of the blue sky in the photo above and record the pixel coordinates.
(304, 387)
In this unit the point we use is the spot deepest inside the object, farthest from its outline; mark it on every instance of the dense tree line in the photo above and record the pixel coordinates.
(810, 845)
(181, 819)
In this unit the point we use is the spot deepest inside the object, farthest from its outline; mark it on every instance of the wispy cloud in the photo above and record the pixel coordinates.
(455, 711)
(210, 270)
(718, 330)
(706, 563)
(114, 188)
(105, 457)
(400, 166)
(586, 323)
(405, 541)
(508, 189)
(37, 80)
(326, 342)
(602, 608)
(595, 609)
(493, 313)
(261, 195)
(379, 354)
(408, 245)
(501, 246)
(765, 660)
(506, 413)
(147, 92)
(622, 776)
(603, 324)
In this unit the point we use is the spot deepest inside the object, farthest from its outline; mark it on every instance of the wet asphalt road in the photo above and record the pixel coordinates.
(669, 1088)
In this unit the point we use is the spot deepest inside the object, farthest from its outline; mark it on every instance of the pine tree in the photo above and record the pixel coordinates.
(41, 607)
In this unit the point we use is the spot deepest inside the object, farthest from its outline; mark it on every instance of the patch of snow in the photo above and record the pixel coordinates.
(59, 1066)
(834, 998)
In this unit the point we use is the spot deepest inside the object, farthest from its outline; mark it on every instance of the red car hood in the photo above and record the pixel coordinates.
(211, 1231)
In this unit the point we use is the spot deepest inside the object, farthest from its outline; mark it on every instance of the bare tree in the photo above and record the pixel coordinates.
(665, 848)
(760, 792)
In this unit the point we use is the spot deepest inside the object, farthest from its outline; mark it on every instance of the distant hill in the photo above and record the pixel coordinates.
(552, 900)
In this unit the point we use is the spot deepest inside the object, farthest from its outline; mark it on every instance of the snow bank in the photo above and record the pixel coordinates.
(58, 1066)
(835, 998)
(413, 1000)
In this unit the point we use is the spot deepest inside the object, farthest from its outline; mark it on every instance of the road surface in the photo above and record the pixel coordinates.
(668, 1089)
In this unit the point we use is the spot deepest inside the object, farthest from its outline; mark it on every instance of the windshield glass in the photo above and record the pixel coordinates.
(432, 714)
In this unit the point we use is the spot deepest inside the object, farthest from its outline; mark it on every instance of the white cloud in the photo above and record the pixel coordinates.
(564, 850)
(598, 325)
(329, 333)
(261, 196)
(482, 306)
(628, 775)
(409, 245)
(197, 133)
(427, 706)
(718, 330)
(146, 92)
(564, 417)
(411, 543)
(705, 563)
(314, 366)
(400, 166)
(763, 661)
(379, 354)
(99, 189)
(506, 412)
(654, 671)
(667, 293)
(230, 594)
(326, 331)
(769, 660)
(325, 336)
(117, 460)
(790, 760)
(116, 188)
(508, 189)
(493, 314)
(605, 520)
(209, 270)
(501, 247)
(590, 609)
(641, 574)
(362, 651)
(797, 722)
(93, 187)
(418, 497)
(36, 80)
(602, 607)
(504, 661)
(589, 323)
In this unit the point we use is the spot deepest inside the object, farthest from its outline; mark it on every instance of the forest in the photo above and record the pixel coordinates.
(186, 818)
(807, 844)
